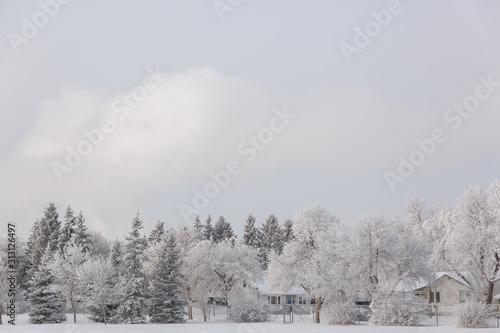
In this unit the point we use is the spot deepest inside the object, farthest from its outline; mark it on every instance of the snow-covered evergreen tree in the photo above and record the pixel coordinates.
(198, 227)
(288, 234)
(222, 230)
(67, 229)
(271, 239)
(251, 235)
(166, 303)
(208, 229)
(74, 227)
(43, 238)
(46, 303)
(134, 293)
(157, 233)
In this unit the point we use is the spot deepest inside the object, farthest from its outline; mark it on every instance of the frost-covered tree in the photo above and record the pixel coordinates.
(157, 233)
(251, 235)
(288, 234)
(65, 268)
(466, 239)
(68, 228)
(306, 261)
(198, 227)
(208, 229)
(100, 280)
(43, 238)
(376, 255)
(74, 227)
(271, 238)
(166, 302)
(100, 245)
(134, 292)
(222, 230)
(45, 299)
(216, 268)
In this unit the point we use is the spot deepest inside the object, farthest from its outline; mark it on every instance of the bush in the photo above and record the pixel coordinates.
(399, 309)
(340, 314)
(248, 310)
(474, 314)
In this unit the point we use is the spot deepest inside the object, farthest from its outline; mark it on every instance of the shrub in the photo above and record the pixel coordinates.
(399, 309)
(474, 314)
(340, 314)
(248, 310)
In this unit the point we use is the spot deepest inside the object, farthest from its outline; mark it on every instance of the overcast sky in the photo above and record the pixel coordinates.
(227, 69)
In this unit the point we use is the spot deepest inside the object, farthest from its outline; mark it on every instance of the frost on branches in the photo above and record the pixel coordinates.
(475, 314)
(340, 314)
(399, 309)
(248, 309)
(466, 239)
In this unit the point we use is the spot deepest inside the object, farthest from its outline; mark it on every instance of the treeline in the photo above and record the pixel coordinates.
(157, 276)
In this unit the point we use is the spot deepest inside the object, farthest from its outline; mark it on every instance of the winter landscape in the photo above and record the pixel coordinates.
(232, 166)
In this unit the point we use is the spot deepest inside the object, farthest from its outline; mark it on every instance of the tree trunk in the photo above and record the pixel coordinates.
(318, 308)
(190, 312)
(489, 296)
(104, 314)
(1, 314)
(73, 307)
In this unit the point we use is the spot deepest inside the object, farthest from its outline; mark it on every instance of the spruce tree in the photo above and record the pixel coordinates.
(46, 304)
(43, 239)
(68, 228)
(271, 239)
(83, 237)
(133, 300)
(288, 234)
(198, 227)
(166, 302)
(222, 230)
(251, 233)
(208, 230)
(157, 233)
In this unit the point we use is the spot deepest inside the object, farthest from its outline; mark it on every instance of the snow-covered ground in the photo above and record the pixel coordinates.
(221, 325)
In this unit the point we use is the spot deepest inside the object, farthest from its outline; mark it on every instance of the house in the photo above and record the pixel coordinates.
(444, 290)
(295, 300)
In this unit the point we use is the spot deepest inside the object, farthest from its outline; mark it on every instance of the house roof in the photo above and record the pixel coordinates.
(264, 288)
(415, 284)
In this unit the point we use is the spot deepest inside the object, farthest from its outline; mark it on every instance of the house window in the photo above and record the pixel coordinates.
(244, 284)
(302, 300)
(464, 296)
(435, 297)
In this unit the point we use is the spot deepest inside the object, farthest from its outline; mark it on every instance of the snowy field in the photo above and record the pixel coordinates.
(220, 325)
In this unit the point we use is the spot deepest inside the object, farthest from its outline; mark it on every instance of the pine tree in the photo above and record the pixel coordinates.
(46, 305)
(44, 238)
(167, 304)
(198, 227)
(157, 233)
(288, 234)
(83, 237)
(222, 230)
(208, 230)
(251, 234)
(271, 238)
(133, 300)
(68, 228)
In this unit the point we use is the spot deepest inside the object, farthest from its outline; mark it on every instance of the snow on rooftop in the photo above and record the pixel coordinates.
(414, 284)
